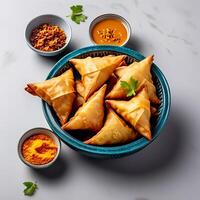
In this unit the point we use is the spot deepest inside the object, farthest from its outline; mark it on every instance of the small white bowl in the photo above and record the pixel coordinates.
(110, 16)
(50, 19)
(35, 131)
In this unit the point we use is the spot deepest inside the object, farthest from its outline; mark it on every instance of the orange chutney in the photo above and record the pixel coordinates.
(39, 149)
(109, 31)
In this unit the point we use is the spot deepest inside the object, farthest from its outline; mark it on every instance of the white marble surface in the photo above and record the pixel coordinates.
(168, 168)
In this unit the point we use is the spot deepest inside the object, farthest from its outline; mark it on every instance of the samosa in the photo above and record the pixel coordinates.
(58, 92)
(111, 82)
(140, 71)
(90, 116)
(79, 88)
(119, 72)
(96, 71)
(79, 100)
(136, 111)
(115, 131)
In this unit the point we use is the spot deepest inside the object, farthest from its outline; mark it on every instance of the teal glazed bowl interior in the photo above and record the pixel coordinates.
(157, 123)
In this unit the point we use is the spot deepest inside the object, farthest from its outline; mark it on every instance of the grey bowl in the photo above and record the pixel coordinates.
(110, 16)
(51, 19)
(34, 131)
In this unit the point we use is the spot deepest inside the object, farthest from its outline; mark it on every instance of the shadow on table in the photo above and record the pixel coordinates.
(56, 171)
(168, 149)
(135, 43)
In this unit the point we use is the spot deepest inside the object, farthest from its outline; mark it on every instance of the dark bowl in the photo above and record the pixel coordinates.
(157, 123)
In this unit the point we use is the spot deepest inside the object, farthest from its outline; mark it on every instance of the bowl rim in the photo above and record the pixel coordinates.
(48, 52)
(107, 16)
(121, 150)
(31, 132)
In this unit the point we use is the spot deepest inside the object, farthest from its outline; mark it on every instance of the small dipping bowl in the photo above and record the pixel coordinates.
(48, 19)
(36, 131)
(110, 16)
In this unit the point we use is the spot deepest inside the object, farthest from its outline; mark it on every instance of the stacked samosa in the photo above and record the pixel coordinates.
(140, 71)
(95, 72)
(125, 117)
(90, 115)
(114, 131)
(136, 111)
(58, 92)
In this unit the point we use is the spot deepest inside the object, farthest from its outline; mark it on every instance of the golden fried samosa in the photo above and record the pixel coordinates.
(139, 71)
(96, 71)
(79, 88)
(111, 82)
(90, 115)
(58, 92)
(135, 111)
(78, 102)
(114, 131)
(119, 72)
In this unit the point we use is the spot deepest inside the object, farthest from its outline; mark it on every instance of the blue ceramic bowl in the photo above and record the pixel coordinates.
(163, 93)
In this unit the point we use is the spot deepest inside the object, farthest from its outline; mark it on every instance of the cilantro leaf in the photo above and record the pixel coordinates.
(133, 85)
(78, 18)
(129, 93)
(77, 14)
(130, 87)
(124, 84)
(28, 184)
(77, 9)
(30, 188)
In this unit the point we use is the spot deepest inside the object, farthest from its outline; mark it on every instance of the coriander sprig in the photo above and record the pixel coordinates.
(130, 87)
(30, 188)
(77, 14)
